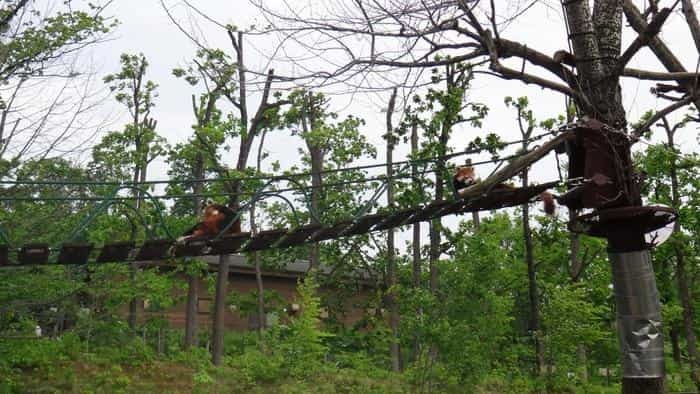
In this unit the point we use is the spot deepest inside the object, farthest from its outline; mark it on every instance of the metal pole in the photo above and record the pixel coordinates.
(638, 313)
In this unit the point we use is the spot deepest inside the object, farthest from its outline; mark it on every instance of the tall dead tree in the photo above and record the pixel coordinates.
(317, 152)
(391, 266)
(416, 266)
(681, 269)
(257, 261)
(136, 93)
(436, 33)
(250, 128)
(526, 124)
(226, 78)
(204, 113)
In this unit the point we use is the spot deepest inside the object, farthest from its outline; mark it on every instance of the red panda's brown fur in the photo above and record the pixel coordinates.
(550, 205)
(214, 219)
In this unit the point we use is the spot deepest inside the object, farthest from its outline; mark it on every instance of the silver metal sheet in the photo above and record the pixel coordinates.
(638, 315)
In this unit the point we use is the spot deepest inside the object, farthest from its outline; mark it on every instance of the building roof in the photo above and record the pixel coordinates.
(293, 269)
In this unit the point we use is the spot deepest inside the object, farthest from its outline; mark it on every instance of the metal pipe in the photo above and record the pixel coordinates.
(638, 314)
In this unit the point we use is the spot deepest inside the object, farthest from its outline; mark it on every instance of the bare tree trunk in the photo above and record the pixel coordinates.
(476, 220)
(576, 266)
(261, 297)
(688, 313)
(535, 325)
(416, 267)
(218, 325)
(435, 227)
(316, 184)
(675, 345)
(436, 224)
(133, 302)
(193, 280)
(191, 311)
(262, 316)
(681, 276)
(394, 349)
(249, 129)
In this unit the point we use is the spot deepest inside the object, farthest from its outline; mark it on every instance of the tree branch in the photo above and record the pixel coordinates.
(10, 14)
(516, 166)
(642, 39)
(636, 134)
(660, 76)
(692, 19)
(662, 52)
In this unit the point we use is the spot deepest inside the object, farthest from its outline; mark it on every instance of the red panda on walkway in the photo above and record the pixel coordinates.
(215, 217)
(465, 176)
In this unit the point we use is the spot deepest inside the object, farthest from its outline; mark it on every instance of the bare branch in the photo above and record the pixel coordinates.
(643, 39)
(636, 134)
(692, 19)
(660, 76)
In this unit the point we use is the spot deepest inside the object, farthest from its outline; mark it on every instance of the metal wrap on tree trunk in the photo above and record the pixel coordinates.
(638, 315)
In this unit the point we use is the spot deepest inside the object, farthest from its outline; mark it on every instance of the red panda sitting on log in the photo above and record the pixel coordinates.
(215, 217)
(465, 176)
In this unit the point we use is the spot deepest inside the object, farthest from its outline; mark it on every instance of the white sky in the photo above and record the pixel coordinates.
(146, 28)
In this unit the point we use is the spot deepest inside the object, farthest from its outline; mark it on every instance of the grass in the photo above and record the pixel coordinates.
(178, 377)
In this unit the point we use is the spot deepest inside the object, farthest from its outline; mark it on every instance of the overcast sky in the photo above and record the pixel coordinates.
(146, 28)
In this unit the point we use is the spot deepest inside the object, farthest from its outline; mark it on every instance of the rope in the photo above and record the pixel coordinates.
(243, 193)
(269, 177)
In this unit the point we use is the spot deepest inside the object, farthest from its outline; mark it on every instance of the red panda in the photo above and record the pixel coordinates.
(465, 176)
(550, 205)
(215, 217)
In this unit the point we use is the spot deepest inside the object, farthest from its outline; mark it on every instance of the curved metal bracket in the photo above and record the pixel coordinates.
(110, 200)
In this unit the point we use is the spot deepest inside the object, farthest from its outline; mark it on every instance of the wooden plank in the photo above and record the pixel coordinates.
(264, 240)
(363, 224)
(429, 211)
(116, 251)
(297, 236)
(4, 255)
(32, 254)
(507, 197)
(75, 253)
(155, 249)
(191, 247)
(397, 219)
(228, 244)
(330, 232)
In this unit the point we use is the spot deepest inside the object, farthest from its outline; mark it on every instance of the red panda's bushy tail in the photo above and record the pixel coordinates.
(549, 204)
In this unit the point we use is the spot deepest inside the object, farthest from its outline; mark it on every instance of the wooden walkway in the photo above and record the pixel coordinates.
(159, 249)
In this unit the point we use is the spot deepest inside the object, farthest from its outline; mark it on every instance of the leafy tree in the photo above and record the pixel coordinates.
(38, 51)
(672, 181)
